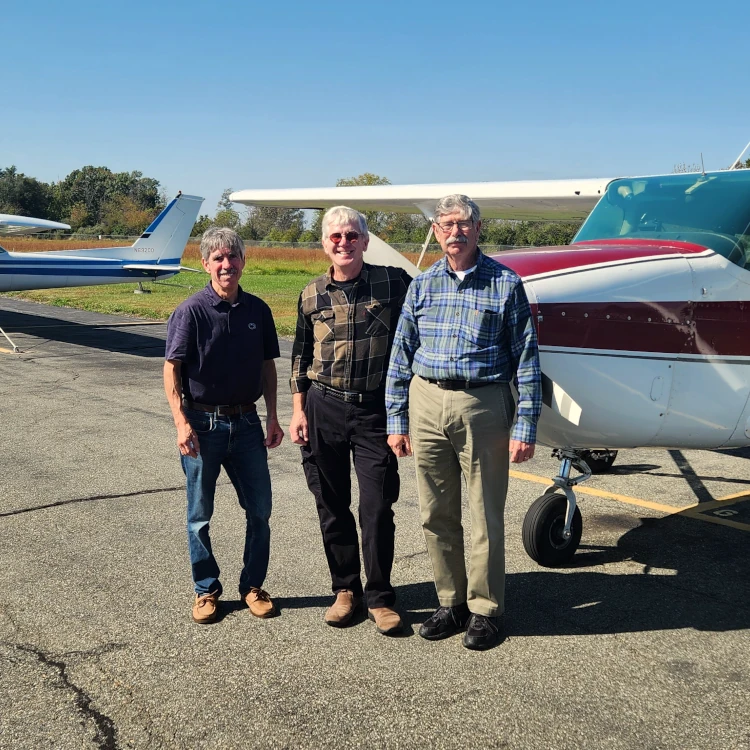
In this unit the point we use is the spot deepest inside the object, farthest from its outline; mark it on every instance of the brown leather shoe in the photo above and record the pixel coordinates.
(260, 603)
(342, 610)
(205, 608)
(387, 621)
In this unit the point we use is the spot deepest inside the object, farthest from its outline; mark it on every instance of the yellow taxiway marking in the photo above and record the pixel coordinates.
(736, 496)
(601, 493)
(6, 351)
(696, 511)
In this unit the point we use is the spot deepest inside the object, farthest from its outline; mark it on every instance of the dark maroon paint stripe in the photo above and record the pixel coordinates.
(708, 328)
(536, 260)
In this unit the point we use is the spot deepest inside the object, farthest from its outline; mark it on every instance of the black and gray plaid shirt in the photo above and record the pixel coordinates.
(346, 344)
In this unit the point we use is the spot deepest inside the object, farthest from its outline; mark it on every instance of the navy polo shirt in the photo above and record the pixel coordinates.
(221, 346)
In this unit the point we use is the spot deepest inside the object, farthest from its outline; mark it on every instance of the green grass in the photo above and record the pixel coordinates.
(278, 282)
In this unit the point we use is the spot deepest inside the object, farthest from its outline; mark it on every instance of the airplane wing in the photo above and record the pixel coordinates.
(15, 225)
(539, 200)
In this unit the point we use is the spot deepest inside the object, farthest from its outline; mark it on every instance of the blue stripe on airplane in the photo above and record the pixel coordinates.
(108, 272)
(155, 223)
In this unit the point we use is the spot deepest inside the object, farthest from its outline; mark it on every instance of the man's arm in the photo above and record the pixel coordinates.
(302, 357)
(187, 439)
(525, 361)
(274, 433)
(405, 343)
(298, 426)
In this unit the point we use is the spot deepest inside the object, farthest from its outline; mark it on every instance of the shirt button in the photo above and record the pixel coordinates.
(453, 359)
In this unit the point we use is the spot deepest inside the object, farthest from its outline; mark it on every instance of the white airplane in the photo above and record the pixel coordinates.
(155, 255)
(642, 321)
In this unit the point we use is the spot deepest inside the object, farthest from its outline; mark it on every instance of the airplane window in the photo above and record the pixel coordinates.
(711, 209)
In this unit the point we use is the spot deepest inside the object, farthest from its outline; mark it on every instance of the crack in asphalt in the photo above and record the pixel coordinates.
(89, 499)
(106, 731)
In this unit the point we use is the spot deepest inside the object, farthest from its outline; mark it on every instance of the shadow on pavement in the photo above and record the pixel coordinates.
(108, 337)
(686, 574)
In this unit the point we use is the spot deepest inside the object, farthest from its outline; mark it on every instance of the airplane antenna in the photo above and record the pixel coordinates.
(703, 169)
(737, 160)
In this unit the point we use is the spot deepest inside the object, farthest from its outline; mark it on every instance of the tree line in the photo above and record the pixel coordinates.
(96, 200)
(93, 200)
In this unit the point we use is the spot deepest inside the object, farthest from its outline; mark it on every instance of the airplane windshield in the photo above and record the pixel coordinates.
(711, 209)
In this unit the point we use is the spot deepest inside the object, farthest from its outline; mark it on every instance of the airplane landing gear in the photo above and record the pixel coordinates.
(552, 527)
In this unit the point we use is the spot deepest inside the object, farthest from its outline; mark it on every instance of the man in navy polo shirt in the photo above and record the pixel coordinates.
(221, 346)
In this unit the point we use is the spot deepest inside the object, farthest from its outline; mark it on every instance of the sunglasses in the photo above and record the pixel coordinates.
(336, 237)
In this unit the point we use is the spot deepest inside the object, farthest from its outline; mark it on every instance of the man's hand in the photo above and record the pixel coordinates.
(274, 433)
(187, 440)
(400, 445)
(298, 427)
(520, 451)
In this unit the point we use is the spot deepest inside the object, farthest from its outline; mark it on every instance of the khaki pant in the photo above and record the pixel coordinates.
(454, 433)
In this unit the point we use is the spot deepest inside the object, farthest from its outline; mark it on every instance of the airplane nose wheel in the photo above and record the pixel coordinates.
(553, 525)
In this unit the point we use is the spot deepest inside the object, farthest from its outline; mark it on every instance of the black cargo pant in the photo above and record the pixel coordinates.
(337, 429)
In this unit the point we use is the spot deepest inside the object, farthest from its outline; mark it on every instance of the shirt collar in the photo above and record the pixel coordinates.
(215, 300)
(477, 267)
(364, 275)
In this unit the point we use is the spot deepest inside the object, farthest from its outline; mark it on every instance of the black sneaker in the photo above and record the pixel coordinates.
(482, 633)
(444, 622)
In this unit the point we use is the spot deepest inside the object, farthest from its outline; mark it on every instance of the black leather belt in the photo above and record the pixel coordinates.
(220, 410)
(458, 385)
(350, 397)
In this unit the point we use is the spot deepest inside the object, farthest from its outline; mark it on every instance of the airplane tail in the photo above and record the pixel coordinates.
(161, 245)
(165, 238)
(380, 253)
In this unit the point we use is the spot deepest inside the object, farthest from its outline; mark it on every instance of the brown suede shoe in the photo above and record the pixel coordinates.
(342, 610)
(260, 603)
(205, 608)
(387, 621)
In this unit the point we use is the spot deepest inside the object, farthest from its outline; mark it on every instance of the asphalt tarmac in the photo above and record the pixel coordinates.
(642, 642)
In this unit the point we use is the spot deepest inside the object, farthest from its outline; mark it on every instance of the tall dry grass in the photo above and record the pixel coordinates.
(300, 258)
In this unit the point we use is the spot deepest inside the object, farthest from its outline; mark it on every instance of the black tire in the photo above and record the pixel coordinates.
(600, 462)
(543, 527)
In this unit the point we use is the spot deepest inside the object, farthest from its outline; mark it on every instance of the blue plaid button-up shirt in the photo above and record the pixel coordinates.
(477, 329)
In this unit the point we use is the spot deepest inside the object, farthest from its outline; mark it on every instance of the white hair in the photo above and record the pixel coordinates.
(344, 215)
(221, 238)
(457, 202)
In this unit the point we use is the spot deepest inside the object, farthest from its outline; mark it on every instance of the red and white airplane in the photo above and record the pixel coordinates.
(643, 321)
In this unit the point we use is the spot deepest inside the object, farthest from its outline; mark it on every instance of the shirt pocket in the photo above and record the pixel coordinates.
(481, 328)
(323, 326)
(379, 319)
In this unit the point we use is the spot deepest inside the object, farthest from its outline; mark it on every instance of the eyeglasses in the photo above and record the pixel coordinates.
(336, 237)
(464, 226)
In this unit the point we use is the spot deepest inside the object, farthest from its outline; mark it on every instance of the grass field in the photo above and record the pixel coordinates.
(276, 275)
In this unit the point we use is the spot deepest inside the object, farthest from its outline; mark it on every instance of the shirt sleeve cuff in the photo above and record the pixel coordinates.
(299, 385)
(524, 431)
(397, 425)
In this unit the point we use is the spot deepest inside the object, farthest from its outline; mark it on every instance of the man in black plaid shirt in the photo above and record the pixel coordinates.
(345, 326)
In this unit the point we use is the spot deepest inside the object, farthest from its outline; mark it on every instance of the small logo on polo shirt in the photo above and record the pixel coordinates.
(252, 326)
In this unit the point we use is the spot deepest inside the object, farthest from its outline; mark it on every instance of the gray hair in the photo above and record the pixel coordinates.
(457, 202)
(221, 238)
(344, 215)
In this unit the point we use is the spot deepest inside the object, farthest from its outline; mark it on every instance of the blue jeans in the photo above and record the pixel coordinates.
(236, 443)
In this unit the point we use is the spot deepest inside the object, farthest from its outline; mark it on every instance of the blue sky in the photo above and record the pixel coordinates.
(205, 96)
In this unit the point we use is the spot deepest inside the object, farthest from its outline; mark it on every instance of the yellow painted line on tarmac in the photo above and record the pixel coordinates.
(601, 493)
(696, 511)
(736, 496)
(690, 513)
(6, 351)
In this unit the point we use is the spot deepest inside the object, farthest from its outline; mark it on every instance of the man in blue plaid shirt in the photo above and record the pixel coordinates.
(464, 335)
